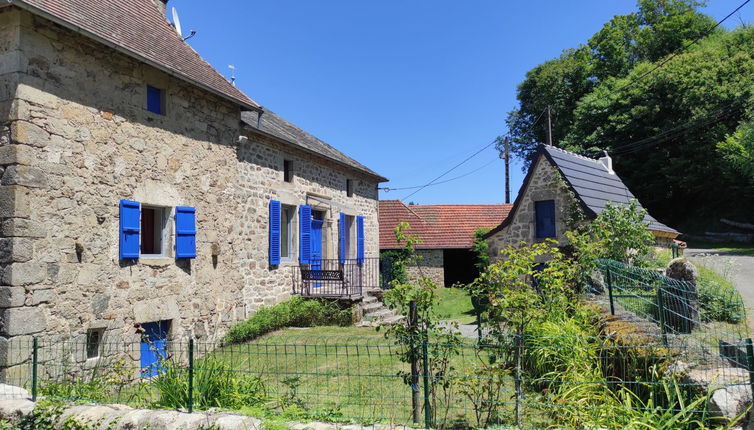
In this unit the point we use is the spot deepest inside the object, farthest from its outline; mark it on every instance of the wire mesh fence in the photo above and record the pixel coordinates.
(529, 381)
(708, 311)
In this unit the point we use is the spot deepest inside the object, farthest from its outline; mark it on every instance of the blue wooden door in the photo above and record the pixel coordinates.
(316, 242)
(154, 347)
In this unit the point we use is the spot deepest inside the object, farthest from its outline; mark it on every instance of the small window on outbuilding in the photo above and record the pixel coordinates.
(94, 342)
(545, 218)
(154, 224)
(155, 100)
(349, 187)
(287, 170)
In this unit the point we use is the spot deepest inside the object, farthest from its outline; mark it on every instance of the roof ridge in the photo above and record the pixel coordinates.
(583, 157)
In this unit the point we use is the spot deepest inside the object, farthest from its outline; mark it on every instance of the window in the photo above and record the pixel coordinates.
(94, 342)
(545, 218)
(145, 231)
(351, 238)
(349, 187)
(153, 230)
(155, 100)
(287, 170)
(286, 231)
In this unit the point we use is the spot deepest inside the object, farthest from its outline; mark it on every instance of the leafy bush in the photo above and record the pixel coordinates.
(296, 312)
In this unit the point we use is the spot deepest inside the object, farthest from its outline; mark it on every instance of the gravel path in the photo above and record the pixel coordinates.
(738, 268)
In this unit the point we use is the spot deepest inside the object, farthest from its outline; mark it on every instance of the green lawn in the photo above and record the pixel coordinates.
(347, 373)
(455, 304)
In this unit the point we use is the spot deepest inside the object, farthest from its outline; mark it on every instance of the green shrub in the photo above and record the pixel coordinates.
(296, 312)
(216, 384)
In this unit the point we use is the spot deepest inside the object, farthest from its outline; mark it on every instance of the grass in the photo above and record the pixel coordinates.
(727, 247)
(455, 304)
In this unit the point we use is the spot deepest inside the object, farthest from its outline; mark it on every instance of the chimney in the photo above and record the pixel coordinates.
(162, 6)
(608, 163)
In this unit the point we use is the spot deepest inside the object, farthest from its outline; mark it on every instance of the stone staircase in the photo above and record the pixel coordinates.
(374, 312)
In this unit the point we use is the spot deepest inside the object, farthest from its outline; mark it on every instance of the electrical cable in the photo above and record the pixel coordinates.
(388, 189)
(451, 169)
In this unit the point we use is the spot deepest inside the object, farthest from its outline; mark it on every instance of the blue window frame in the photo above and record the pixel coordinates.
(155, 100)
(545, 218)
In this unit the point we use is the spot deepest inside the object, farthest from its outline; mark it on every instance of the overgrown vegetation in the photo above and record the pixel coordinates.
(296, 312)
(688, 122)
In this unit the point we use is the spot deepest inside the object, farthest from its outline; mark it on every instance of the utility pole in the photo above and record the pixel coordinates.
(507, 170)
(549, 126)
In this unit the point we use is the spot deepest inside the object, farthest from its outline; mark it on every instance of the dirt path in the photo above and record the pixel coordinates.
(738, 268)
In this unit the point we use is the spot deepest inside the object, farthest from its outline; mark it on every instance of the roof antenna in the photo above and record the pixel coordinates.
(232, 74)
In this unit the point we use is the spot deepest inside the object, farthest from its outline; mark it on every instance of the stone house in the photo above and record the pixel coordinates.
(139, 186)
(447, 235)
(558, 185)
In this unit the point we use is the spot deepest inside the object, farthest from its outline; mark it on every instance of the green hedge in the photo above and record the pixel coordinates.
(296, 312)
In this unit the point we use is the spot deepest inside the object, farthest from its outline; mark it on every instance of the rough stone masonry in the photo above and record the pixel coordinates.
(76, 138)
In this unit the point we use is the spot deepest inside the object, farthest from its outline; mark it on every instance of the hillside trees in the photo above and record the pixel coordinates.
(691, 147)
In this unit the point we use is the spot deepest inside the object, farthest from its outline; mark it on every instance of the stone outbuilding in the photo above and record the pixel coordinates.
(446, 233)
(558, 189)
(140, 187)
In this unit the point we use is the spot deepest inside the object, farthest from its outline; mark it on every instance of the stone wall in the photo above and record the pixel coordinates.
(432, 266)
(77, 139)
(545, 184)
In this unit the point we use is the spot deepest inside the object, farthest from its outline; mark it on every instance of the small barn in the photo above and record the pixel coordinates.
(557, 183)
(447, 234)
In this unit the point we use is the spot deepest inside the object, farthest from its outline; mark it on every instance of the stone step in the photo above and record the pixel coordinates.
(393, 319)
(382, 313)
(369, 299)
(371, 307)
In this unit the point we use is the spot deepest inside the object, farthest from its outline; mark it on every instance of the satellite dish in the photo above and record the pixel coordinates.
(177, 22)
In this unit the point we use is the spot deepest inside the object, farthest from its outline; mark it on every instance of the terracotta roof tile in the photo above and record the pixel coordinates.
(138, 27)
(439, 226)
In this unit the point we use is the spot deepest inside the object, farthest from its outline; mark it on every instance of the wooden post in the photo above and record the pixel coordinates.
(610, 291)
(414, 356)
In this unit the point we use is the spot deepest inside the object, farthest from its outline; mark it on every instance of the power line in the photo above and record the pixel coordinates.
(451, 169)
(388, 189)
(671, 133)
(678, 52)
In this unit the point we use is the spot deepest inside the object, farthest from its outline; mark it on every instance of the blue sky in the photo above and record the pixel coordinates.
(407, 87)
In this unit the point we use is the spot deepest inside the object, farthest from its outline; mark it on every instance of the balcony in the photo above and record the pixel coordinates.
(332, 279)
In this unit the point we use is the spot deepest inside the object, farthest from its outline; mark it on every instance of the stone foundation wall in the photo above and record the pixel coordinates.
(77, 138)
(432, 266)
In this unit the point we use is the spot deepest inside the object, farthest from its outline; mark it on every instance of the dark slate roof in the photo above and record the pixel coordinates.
(139, 29)
(594, 185)
(590, 181)
(276, 126)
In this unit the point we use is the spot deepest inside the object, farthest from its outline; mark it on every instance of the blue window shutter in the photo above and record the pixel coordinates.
(274, 232)
(360, 239)
(185, 232)
(545, 218)
(343, 236)
(305, 234)
(130, 224)
(154, 99)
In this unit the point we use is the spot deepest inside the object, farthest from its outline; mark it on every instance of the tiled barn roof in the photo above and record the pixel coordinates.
(439, 226)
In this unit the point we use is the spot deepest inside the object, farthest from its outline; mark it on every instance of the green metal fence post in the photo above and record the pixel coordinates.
(425, 372)
(750, 363)
(661, 308)
(610, 291)
(519, 345)
(34, 363)
(191, 375)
